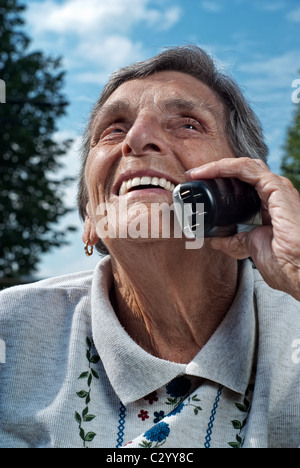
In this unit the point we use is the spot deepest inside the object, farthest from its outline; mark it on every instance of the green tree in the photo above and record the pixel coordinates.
(31, 195)
(290, 165)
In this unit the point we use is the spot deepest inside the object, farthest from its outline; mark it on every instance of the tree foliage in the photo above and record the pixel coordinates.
(31, 194)
(290, 165)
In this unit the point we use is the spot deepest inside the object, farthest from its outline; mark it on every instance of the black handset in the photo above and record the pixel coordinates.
(228, 206)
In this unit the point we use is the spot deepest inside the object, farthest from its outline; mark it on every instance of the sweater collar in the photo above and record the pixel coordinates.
(227, 357)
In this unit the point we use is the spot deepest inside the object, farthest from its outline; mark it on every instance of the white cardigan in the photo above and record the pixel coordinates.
(73, 377)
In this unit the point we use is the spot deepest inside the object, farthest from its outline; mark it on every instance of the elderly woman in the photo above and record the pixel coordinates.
(162, 346)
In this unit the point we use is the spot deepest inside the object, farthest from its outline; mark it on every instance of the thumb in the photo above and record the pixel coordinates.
(256, 244)
(236, 246)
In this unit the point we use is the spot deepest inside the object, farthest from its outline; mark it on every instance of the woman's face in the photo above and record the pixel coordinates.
(148, 133)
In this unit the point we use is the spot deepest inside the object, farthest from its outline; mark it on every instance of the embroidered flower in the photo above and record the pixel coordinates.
(151, 397)
(179, 387)
(158, 433)
(158, 416)
(176, 410)
(143, 415)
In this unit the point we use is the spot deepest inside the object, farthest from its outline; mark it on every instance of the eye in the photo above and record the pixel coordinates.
(116, 130)
(113, 132)
(192, 124)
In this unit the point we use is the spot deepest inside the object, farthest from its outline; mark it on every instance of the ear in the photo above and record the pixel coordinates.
(89, 233)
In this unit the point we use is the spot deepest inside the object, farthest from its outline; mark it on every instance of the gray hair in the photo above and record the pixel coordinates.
(242, 126)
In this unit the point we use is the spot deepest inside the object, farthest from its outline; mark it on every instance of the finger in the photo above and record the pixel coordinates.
(235, 246)
(253, 171)
(255, 244)
(246, 169)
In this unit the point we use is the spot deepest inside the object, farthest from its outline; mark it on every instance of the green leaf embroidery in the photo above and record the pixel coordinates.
(89, 417)
(88, 342)
(94, 359)
(89, 436)
(85, 416)
(177, 401)
(171, 401)
(84, 375)
(90, 379)
(242, 408)
(239, 425)
(234, 444)
(145, 444)
(95, 374)
(194, 398)
(82, 394)
(196, 408)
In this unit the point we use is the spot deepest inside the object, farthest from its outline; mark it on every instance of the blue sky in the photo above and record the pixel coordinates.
(256, 41)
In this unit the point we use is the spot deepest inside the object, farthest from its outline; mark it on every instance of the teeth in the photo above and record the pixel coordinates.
(145, 180)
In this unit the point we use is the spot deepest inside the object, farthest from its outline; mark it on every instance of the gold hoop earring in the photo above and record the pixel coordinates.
(88, 252)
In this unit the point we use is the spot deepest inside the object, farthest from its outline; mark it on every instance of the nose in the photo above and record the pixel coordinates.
(144, 137)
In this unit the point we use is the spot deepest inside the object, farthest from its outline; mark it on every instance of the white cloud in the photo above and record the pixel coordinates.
(268, 82)
(170, 18)
(111, 53)
(294, 15)
(105, 57)
(90, 16)
(97, 36)
(212, 7)
(70, 166)
(94, 37)
(69, 258)
(272, 6)
(276, 71)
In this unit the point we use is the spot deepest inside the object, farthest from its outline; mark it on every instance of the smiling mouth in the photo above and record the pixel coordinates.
(145, 182)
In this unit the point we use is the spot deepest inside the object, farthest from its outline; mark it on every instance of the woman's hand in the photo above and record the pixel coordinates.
(275, 246)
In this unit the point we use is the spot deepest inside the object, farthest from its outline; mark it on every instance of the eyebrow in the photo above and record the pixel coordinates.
(108, 110)
(184, 104)
(122, 105)
(112, 108)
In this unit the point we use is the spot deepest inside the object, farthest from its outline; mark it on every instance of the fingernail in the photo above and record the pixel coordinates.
(190, 171)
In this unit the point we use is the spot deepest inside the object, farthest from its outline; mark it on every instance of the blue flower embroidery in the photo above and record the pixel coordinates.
(158, 433)
(158, 416)
(179, 387)
(176, 410)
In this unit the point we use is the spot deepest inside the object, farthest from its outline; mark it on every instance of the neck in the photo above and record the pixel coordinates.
(171, 300)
